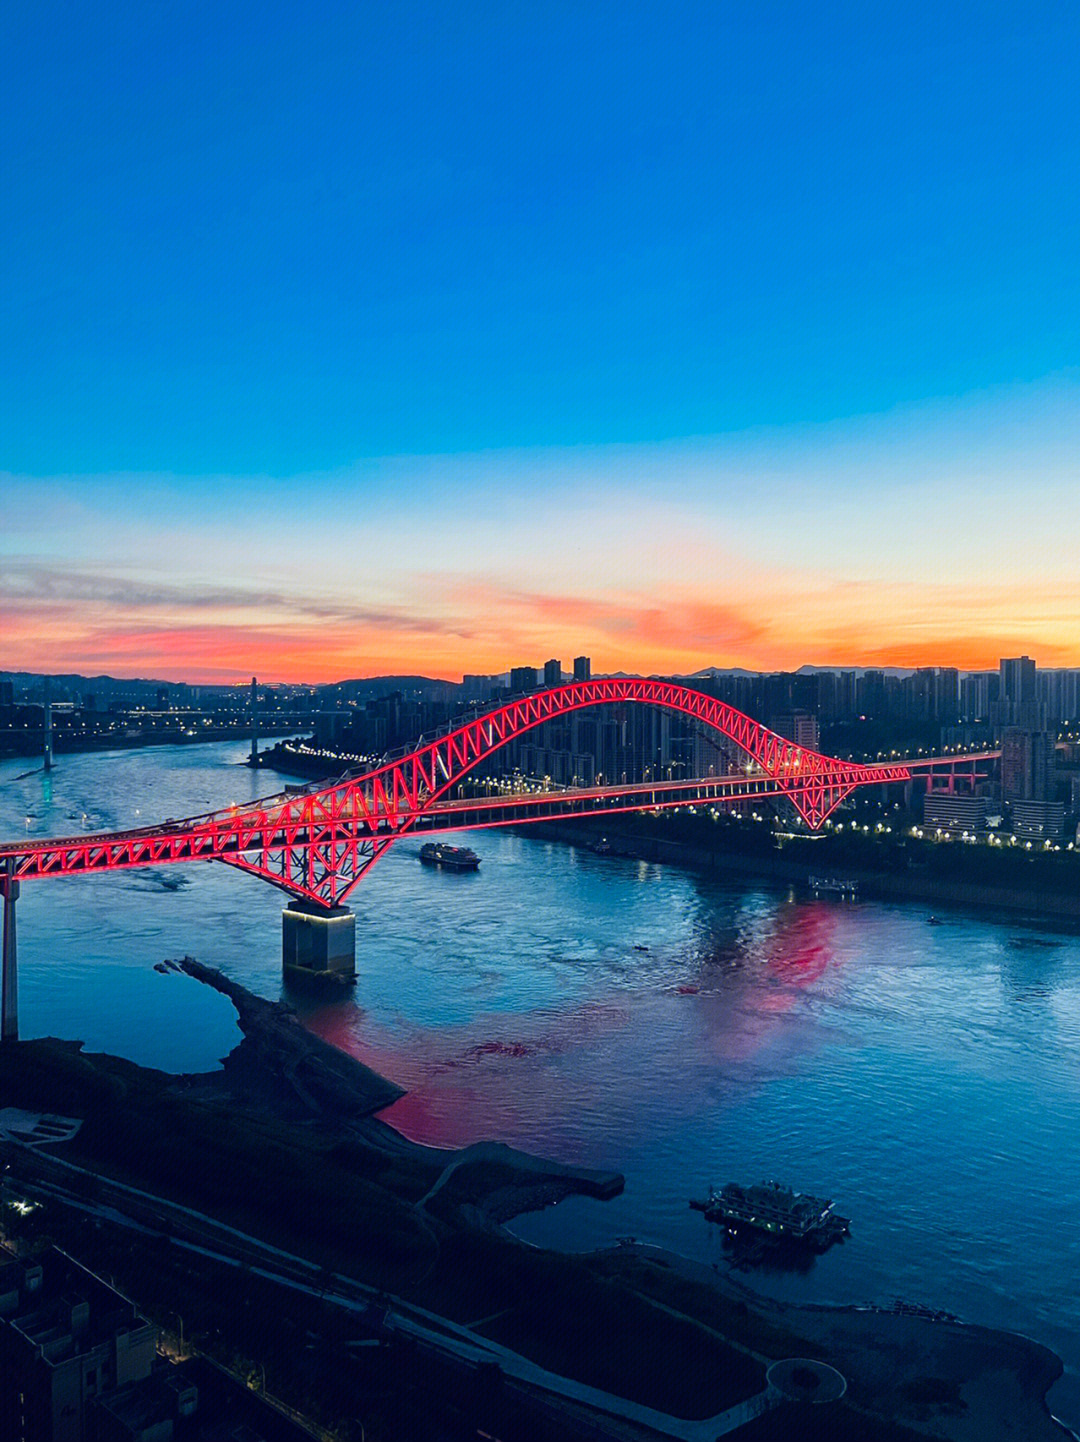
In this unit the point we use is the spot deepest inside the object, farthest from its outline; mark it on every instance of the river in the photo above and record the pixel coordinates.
(675, 1027)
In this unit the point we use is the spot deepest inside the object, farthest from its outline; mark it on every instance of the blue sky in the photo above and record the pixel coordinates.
(285, 251)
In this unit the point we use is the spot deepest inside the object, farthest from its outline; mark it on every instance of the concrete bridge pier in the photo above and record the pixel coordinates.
(318, 942)
(9, 986)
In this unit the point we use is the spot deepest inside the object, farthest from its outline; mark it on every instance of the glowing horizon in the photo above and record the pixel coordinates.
(545, 334)
(664, 559)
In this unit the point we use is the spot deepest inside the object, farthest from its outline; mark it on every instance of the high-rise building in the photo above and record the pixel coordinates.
(522, 678)
(845, 695)
(870, 695)
(979, 691)
(947, 695)
(477, 688)
(1027, 765)
(582, 668)
(828, 696)
(552, 673)
(919, 694)
(798, 726)
(1018, 703)
(1059, 692)
(1017, 679)
(1070, 695)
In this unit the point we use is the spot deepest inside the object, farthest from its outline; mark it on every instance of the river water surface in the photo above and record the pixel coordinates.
(680, 1029)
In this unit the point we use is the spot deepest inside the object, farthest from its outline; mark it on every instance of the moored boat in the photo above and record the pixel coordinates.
(776, 1211)
(833, 885)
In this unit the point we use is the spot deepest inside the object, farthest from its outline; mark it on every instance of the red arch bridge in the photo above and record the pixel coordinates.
(317, 846)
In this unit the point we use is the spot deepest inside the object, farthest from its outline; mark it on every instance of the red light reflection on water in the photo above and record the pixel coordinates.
(497, 1077)
(801, 950)
(528, 1078)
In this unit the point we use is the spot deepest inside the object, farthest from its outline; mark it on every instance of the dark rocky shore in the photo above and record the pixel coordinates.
(939, 1375)
(282, 1064)
(293, 1112)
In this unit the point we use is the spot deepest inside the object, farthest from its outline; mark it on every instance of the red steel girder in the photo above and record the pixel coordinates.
(320, 845)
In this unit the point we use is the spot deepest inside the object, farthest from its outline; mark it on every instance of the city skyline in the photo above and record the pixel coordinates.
(23, 686)
(384, 344)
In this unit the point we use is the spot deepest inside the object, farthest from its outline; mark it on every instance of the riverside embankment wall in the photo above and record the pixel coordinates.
(913, 885)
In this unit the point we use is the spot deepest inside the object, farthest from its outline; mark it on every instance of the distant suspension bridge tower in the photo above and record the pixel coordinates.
(253, 759)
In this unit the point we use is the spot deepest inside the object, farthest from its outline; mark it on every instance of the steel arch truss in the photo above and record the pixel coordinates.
(319, 846)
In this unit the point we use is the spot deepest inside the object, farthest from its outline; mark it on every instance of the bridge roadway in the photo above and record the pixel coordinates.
(450, 814)
(189, 839)
(318, 845)
(445, 815)
(179, 840)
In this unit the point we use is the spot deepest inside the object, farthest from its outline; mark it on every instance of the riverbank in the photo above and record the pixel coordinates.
(284, 1068)
(285, 1143)
(16, 745)
(918, 883)
(289, 1106)
(313, 767)
(938, 1376)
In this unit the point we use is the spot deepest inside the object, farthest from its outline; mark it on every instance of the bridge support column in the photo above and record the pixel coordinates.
(318, 942)
(9, 987)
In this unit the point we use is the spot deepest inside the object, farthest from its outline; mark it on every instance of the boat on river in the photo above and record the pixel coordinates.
(774, 1211)
(453, 858)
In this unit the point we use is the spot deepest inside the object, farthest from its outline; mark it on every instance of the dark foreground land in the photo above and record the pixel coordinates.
(265, 1215)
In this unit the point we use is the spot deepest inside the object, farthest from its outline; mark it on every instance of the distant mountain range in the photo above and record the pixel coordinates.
(709, 671)
(390, 683)
(377, 686)
(79, 682)
(24, 677)
(359, 688)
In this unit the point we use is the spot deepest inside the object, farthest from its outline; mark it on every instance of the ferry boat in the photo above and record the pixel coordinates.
(454, 858)
(775, 1211)
(834, 885)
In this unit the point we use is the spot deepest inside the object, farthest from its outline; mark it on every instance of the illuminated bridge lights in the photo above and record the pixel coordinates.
(318, 845)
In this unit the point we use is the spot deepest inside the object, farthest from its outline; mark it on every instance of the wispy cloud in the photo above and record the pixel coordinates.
(944, 533)
(26, 587)
(71, 618)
